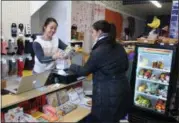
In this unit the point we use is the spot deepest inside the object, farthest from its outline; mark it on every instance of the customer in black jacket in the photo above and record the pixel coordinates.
(108, 62)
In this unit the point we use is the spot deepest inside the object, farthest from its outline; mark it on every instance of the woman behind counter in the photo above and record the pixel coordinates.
(46, 47)
(108, 62)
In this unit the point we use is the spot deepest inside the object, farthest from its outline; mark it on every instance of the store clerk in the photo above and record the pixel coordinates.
(46, 47)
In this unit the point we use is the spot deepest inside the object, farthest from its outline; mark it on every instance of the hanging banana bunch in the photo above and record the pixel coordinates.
(155, 23)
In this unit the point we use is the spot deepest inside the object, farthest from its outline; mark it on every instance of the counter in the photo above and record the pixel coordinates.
(74, 116)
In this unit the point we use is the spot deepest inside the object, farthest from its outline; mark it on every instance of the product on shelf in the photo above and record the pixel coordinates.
(66, 107)
(51, 113)
(52, 99)
(62, 96)
(73, 96)
(152, 88)
(160, 105)
(164, 77)
(49, 118)
(41, 117)
(142, 101)
(144, 61)
(13, 30)
(21, 30)
(142, 87)
(148, 74)
(154, 77)
(20, 45)
(17, 115)
(158, 64)
(163, 92)
(80, 92)
(141, 73)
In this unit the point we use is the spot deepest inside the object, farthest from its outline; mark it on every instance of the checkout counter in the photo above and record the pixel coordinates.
(11, 101)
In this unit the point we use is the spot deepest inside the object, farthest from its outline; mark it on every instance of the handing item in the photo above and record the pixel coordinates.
(69, 51)
(14, 30)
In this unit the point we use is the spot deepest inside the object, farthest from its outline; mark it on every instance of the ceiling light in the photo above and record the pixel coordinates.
(156, 3)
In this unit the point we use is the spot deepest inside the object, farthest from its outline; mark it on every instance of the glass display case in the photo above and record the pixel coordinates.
(152, 78)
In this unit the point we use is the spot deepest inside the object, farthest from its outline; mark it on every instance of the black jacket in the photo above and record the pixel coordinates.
(111, 91)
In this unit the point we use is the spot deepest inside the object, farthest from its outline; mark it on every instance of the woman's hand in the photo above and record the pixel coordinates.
(57, 55)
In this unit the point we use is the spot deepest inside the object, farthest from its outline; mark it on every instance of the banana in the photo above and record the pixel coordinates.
(155, 23)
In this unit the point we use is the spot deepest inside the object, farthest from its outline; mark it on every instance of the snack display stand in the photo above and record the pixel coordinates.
(76, 115)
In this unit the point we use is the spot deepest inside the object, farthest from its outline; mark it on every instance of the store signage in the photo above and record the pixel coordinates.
(174, 32)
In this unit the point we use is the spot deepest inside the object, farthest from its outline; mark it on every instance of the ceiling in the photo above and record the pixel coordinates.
(150, 9)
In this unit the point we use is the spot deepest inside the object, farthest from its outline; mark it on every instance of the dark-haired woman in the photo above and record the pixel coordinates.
(46, 47)
(108, 62)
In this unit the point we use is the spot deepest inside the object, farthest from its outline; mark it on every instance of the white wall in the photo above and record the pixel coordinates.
(61, 11)
(84, 15)
(35, 23)
(35, 6)
(14, 12)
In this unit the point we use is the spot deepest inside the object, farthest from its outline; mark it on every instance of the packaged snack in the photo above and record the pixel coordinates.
(80, 92)
(73, 96)
(49, 110)
(52, 99)
(62, 96)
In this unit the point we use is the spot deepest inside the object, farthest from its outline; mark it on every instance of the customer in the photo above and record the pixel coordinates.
(108, 62)
(46, 47)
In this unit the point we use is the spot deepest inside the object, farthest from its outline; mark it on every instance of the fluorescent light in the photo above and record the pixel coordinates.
(156, 3)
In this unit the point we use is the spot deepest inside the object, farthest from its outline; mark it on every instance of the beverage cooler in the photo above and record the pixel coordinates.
(154, 79)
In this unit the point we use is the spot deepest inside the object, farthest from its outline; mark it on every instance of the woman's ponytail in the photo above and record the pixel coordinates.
(113, 32)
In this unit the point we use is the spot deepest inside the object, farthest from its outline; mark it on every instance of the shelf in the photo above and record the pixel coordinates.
(156, 97)
(156, 69)
(153, 81)
(150, 109)
(76, 41)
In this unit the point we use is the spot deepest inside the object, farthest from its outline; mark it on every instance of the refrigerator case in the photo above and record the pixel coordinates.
(152, 79)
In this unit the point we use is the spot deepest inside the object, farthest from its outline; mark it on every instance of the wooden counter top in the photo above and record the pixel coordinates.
(12, 99)
(76, 115)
